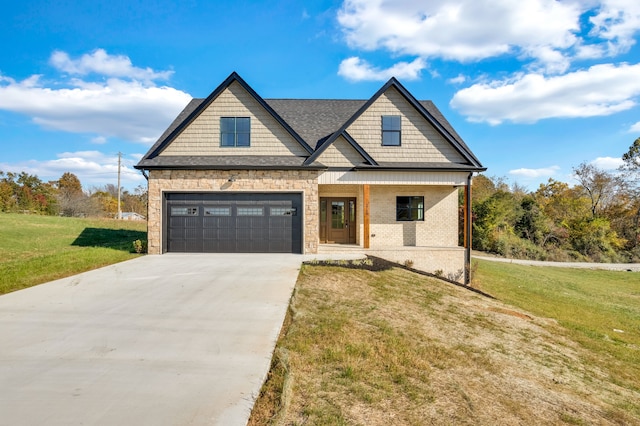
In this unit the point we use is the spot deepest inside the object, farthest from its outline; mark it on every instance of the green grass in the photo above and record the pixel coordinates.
(393, 347)
(599, 309)
(36, 249)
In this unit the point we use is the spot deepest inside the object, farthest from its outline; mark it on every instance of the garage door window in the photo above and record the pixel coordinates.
(250, 211)
(282, 211)
(184, 211)
(217, 211)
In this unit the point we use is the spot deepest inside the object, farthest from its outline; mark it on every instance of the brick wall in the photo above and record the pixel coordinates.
(440, 225)
(245, 180)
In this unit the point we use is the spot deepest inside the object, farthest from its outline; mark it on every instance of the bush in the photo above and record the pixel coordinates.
(140, 246)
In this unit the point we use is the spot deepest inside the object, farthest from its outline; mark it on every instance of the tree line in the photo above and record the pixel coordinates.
(26, 193)
(597, 219)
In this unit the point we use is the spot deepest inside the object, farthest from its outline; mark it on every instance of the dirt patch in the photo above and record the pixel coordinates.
(511, 312)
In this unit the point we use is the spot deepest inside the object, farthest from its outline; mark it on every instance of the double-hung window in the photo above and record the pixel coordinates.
(391, 130)
(235, 131)
(409, 208)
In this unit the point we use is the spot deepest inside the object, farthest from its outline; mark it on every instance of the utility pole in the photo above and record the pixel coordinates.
(119, 163)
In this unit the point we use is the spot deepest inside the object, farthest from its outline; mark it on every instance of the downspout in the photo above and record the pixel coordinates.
(467, 257)
(146, 176)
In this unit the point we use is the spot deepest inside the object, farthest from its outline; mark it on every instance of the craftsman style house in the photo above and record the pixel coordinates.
(238, 173)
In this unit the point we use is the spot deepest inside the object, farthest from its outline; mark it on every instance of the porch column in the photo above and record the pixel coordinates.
(467, 230)
(366, 213)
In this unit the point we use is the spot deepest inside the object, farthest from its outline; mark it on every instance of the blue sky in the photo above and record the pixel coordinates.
(535, 87)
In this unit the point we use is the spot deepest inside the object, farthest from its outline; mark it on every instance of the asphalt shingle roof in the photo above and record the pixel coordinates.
(315, 119)
(228, 162)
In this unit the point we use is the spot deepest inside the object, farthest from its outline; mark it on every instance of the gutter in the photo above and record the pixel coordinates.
(467, 257)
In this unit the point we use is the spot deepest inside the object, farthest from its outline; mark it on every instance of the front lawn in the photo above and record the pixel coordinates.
(392, 347)
(36, 249)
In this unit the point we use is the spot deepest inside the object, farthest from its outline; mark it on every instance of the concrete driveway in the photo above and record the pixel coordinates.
(177, 339)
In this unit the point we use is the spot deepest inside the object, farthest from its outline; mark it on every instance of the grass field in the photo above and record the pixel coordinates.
(392, 347)
(599, 309)
(36, 249)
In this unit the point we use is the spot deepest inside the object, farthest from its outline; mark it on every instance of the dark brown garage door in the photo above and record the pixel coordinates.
(233, 223)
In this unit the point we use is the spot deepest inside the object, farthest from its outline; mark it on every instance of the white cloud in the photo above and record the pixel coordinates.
(99, 140)
(93, 168)
(133, 109)
(635, 128)
(547, 36)
(457, 80)
(535, 173)
(100, 62)
(617, 21)
(466, 30)
(526, 98)
(607, 163)
(356, 69)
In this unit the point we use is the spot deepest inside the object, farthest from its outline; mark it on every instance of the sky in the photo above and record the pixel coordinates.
(534, 87)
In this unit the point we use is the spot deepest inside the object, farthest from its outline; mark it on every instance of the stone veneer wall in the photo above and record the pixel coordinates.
(305, 181)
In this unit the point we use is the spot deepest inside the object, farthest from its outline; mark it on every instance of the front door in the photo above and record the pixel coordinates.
(338, 220)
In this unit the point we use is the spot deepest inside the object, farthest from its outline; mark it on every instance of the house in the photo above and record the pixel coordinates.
(131, 216)
(238, 173)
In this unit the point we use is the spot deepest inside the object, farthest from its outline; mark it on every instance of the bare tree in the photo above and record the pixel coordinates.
(601, 186)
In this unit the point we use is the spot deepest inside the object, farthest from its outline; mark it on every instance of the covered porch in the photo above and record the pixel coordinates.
(406, 219)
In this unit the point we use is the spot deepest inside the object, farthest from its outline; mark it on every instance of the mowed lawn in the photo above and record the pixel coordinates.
(391, 347)
(36, 249)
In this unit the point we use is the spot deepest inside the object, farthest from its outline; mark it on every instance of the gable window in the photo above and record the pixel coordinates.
(235, 131)
(409, 208)
(391, 129)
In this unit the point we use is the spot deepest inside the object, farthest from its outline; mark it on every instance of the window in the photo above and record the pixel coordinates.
(184, 211)
(217, 211)
(235, 131)
(250, 211)
(391, 129)
(283, 211)
(409, 208)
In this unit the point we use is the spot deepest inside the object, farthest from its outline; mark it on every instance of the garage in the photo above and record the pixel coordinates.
(233, 222)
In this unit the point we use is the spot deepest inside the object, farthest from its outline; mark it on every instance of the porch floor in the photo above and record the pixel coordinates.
(354, 248)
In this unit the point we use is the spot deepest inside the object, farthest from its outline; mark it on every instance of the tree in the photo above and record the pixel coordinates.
(69, 183)
(71, 199)
(136, 202)
(631, 158)
(8, 190)
(601, 186)
(104, 204)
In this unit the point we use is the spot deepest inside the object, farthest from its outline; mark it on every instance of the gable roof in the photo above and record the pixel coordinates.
(311, 122)
(427, 109)
(197, 106)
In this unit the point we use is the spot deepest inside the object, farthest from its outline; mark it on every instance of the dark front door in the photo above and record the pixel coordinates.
(338, 220)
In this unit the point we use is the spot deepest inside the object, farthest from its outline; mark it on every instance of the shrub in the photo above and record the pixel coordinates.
(140, 246)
